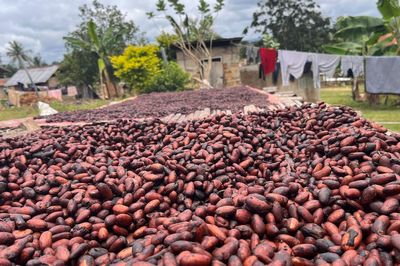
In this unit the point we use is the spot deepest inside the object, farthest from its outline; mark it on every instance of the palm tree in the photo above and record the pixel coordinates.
(17, 54)
(101, 45)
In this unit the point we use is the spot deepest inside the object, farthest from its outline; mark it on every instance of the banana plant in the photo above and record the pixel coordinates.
(356, 35)
(390, 10)
(364, 35)
(99, 44)
(270, 42)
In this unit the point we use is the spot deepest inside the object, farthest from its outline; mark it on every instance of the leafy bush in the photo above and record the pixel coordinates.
(137, 66)
(171, 78)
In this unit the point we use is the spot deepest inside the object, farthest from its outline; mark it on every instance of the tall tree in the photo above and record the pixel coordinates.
(194, 38)
(19, 55)
(101, 45)
(109, 21)
(37, 61)
(109, 17)
(295, 24)
(79, 69)
(10, 68)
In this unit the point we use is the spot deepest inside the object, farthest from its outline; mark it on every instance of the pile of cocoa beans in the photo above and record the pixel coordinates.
(314, 185)
(158, 105)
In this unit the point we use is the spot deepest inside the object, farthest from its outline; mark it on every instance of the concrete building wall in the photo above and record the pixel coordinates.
(303, 87)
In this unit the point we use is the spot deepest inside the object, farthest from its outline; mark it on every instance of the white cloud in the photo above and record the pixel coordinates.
(348, 7)
(40, 24)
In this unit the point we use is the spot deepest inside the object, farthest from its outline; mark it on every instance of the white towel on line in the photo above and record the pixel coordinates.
(355, 63)
(325, 64)
(292, 63)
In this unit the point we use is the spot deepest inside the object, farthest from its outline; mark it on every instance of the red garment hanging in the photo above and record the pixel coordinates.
(268, 59)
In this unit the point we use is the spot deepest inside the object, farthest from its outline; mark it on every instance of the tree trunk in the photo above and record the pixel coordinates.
(29, 76)
(111, 88)
(373, 99)
(207, 72)
(356, 90)
(103, 92)
(85, 92)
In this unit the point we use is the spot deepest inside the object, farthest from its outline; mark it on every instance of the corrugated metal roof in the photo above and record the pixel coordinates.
(39, 75)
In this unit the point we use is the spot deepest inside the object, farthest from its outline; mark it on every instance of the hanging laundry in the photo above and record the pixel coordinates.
(382, 74)
(268, 60)
(72, 91)
(261, 74)
(252, 54)
(256, 54)
(292, 63)
(325, 64)
(249, 54)
(55, 94)
(276, 73)
(353, 63)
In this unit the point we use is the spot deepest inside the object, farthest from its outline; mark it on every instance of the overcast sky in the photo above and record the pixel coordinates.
(40, 24)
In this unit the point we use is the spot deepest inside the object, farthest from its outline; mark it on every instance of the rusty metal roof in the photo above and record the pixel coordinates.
(39, 75)
(216, 42)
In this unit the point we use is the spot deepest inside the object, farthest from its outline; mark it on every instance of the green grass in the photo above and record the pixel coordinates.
(378, 113)
(17, 112)
(76, 106)
(9, 113)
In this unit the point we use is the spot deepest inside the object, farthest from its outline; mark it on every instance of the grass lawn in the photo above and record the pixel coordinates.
(380, 113)
(17, 112)
(76, 106)
(27, 111)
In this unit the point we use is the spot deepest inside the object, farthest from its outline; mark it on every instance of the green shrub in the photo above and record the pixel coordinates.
(171, 78)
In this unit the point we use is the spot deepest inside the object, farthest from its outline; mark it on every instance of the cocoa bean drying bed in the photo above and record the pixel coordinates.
(178, 106)
(309, 185)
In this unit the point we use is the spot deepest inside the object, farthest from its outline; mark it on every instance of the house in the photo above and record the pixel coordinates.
(19, 85)
(225, 62)
(41, 76)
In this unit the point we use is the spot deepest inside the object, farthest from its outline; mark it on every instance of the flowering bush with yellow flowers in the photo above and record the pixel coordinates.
(137, 66)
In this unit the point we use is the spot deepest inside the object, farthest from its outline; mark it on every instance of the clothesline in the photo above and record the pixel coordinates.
(293, 63)
(381, 72)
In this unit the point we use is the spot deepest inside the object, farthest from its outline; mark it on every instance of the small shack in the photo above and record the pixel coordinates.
(225, 62)
(19, 85)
